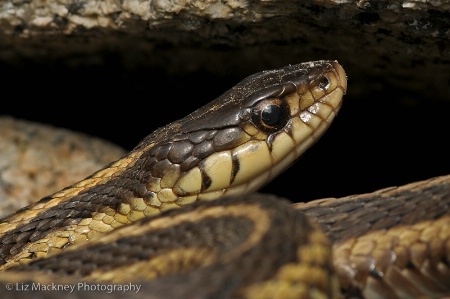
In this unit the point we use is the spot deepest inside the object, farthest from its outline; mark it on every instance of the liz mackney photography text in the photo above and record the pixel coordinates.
(71, 288)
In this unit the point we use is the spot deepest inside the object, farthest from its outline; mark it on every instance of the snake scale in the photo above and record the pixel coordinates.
(179, 216)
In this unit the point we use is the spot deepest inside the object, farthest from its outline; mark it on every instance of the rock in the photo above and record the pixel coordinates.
(37, 160)
(391, 41)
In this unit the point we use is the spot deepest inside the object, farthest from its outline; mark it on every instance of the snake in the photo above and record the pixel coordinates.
(180, 215)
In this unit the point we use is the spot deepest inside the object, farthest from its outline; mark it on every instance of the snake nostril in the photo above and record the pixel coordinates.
(323, 83)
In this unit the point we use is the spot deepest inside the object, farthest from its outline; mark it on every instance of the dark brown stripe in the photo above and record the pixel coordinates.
(206, 180)
(235, 166)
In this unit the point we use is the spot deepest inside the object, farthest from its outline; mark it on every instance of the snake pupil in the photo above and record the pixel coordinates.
(270, 114)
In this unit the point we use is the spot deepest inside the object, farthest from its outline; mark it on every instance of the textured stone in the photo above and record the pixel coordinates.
(369, 37)
(37, 160)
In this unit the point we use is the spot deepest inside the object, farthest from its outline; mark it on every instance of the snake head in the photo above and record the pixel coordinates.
(248, 135)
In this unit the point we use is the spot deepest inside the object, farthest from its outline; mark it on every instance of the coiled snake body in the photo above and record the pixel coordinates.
(178, 213)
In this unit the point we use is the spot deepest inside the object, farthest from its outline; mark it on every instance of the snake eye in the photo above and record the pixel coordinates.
(270, 114)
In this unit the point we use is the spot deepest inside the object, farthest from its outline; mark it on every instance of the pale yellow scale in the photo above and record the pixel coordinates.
(219, 166)
(189, 183)
(254, 158)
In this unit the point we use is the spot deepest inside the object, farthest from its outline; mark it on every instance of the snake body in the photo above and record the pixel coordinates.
(155, 216)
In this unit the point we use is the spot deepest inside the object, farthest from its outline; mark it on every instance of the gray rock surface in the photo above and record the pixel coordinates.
(37, 160)
(396, 41)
